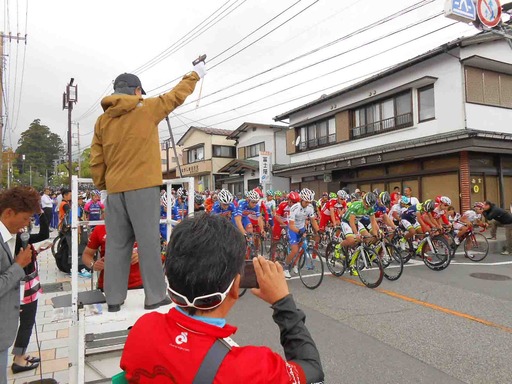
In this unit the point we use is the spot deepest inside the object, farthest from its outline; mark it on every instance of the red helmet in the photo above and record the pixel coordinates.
(294, 197)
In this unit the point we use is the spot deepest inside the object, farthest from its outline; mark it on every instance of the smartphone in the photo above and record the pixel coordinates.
(248, 278)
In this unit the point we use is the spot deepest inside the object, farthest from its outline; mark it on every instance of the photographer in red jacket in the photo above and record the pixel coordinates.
(205, 258)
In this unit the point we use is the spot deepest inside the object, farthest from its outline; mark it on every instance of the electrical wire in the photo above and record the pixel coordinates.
(315, 92)
(317, 63)
(139, 70)
(195, 35)
(324, 46)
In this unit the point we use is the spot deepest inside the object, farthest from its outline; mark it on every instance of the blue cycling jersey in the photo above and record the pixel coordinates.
(409, 214)
(245, 211)
(179, 210)
(229, 212)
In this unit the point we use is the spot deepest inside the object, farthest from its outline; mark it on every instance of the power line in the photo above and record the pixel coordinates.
(187, 39)
(317, 91)
(317, 63)
(345, 37)
(141, 69)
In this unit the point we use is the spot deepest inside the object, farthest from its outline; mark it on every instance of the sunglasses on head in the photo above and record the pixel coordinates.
(205, 302)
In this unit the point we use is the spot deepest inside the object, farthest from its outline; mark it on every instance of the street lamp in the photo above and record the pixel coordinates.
(69, 98)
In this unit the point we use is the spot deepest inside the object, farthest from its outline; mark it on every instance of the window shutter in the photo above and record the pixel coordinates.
(290, 141)
(241, 153)
(474, 85)
(342, 126)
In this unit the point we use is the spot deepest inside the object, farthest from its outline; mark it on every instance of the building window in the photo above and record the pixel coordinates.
(382, 116)
(224, 151)
(195, 154)
(163, 145)
(254, 150)
(488, 87)
(427, 110)
(317, 134)
(164, 161)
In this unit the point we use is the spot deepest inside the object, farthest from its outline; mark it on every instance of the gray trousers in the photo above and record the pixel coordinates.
(4, 355)
(130, 216)
(508, 233)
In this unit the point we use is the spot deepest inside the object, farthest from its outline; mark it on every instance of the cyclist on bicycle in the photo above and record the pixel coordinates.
(247, 209)
(424, 216)
(408, 219)
(270, 204)
(282, 213)
(332, 211)
(299, 212)
(468, 219)
(198, 202)
(382, 209)
(224, 205)
(321, 202)
(352, 226)
(439, 213)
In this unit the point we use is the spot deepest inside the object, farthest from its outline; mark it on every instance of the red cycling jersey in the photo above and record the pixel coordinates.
(325, 214)
(283, 210)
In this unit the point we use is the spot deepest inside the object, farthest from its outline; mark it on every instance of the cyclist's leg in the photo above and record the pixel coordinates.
(294, 245)
(350, 239)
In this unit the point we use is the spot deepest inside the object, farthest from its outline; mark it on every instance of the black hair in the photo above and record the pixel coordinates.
(396, 187)
(205, 253)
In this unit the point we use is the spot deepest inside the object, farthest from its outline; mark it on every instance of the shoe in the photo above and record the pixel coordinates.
(353, 272)
(403, 244)
(337, 253)
(456, 241)
(504, 253)
(295, 269)
(115, 307)
(492, 238)
(22, 368)
(85, 274)
(287, 274)
(165, 301)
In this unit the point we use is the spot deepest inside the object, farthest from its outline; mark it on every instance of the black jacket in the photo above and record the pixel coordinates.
(500, 215)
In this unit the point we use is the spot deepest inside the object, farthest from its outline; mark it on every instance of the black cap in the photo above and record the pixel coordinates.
(128, 80)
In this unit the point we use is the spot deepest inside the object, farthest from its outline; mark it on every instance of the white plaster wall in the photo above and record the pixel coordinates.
(487, 118)
(496, 50)
(449, 107)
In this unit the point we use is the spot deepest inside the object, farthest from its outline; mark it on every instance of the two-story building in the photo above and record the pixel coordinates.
(205, 152)
(251, 139)
(439, 123)
(169, 159)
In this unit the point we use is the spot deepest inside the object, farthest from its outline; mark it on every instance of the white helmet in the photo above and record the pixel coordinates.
(445, 200)
(163, 199)
(253, 196)
(307, 195)
(225, 197)
(342, 194)
(182, 192)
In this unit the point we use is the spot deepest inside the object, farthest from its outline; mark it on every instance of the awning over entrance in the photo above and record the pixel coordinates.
(237, 166)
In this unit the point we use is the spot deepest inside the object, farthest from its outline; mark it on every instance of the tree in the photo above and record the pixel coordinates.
(85, 164)
(38, 148)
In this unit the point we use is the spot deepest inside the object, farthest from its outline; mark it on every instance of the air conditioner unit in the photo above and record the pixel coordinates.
(327, 177)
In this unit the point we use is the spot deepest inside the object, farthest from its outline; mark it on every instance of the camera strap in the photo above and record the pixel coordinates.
(212, 362)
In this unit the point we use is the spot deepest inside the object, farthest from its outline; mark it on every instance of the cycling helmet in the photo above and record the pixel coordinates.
(385, 198)
(478, 205)
(294, 197)
(405, 200)
(370, 199)
(258, 191)
(332, 195)
(270, 192)
(253, 196)
(278, 194)
(225, 197)
(198, 199)
(376, 191)
(355, 197)
(182, 192)
(307, 195)
(163, 199)
(444, 200)
(342, 194)
(429, 205)
(95, 192)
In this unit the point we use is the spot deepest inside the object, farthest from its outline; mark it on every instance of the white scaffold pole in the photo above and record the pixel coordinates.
(76, 362)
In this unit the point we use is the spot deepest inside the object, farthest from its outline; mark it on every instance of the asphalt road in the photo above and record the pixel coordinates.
(426, 327)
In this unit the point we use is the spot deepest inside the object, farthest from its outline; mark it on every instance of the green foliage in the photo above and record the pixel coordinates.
(41, 149)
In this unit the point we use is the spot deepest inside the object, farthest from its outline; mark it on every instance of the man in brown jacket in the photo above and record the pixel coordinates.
(125, 162)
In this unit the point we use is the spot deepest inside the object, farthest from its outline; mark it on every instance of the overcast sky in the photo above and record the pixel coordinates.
(94, 41)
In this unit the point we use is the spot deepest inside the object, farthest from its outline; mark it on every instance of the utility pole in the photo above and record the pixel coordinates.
(17, 38)
(69, 98)
(78, 145)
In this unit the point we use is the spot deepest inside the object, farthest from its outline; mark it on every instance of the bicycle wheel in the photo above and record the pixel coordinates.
(266, 243)
(406, 249)
(55, 245)
(335, 259)
(392, 262)
(312, 271)
(437, 259)
(476, 247)
(369, 267)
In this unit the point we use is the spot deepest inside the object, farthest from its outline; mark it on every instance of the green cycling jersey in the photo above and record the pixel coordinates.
(357, 208)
